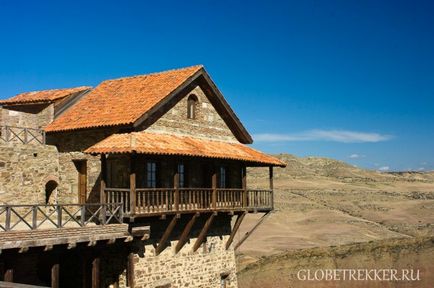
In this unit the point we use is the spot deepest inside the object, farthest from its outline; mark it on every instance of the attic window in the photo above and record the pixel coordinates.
(191, 107)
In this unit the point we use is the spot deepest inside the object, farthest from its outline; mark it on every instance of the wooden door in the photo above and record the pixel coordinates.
(82, 180)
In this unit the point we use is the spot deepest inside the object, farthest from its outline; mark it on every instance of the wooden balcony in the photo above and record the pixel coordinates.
(26, 226)
(158, 201)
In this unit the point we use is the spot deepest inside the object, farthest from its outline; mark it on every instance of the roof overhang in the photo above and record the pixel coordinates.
(177, 145)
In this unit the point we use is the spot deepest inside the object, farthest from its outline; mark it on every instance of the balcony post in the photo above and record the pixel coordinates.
(214, 188)
(102, 198)
(176, 187)
(55, 275)
(270, 172)
(133, 184)
(96, 266)
(103, 182)
(244, 185)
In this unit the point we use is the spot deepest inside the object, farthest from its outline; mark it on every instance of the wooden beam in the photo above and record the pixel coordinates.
(55, 275)
(237, 224)
(96, 263)
(48, 247)
(71, 245)
(23, 249)
(203, 232)
(103, 182)
(176, 186)
(184, 235)
(270, 172)
(214, 188)
(8, 275)
(163, 240)
(130, 271)
(132, 184)
(247, 235)
(129, 239)
(244, 185)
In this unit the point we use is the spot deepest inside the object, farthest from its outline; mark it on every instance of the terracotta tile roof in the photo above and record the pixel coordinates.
(42, 96)
(121, 101)
(164, 144)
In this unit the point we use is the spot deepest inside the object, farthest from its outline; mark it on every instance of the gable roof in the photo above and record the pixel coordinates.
(44, 96)
(130, 101)
(165, 144)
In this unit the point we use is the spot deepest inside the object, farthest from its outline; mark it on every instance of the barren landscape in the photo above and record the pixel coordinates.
(330, 214)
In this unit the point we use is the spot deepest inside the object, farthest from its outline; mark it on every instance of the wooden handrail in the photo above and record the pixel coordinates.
(22, 135)
(162, 200)
(32, 217)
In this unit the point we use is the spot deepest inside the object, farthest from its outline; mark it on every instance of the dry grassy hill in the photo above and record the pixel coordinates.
(324, 203)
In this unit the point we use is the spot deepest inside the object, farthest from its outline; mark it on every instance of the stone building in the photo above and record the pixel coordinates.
(138, 182)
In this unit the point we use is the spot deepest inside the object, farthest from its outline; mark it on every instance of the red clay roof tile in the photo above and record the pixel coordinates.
(164, 144)
(43, 96)
(121, 101)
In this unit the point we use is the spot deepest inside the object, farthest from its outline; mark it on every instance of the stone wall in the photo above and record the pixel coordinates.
(24, 172)
(207, 123)
(70, 146)
(203, 268)
(29, 116)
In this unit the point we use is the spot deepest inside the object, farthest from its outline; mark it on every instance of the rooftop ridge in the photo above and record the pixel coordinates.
(51, 90)
(199, 66)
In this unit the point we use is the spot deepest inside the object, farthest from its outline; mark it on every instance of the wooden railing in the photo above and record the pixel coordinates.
(259, 199)
(155, 200)
(31, 217)
(230, 198)
(162, 200)
(22, 135)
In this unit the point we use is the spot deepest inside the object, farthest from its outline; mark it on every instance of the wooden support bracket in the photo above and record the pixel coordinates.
(244, 238)
(237, 224)
(163, 240)
(184, 235)
(203, 232)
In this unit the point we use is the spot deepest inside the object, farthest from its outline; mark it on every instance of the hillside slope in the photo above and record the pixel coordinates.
(323, 202)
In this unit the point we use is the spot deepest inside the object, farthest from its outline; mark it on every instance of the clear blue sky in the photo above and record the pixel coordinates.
(352, 80)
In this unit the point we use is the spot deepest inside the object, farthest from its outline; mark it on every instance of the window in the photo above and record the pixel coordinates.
(191, 107)
(151, 175)
(222, 182)
(181, 173)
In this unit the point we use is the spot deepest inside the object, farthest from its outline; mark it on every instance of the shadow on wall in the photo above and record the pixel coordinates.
(51, 192)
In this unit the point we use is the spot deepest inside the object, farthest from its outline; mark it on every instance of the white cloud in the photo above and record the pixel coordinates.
(421, 169)
(343, 136)
(384, 168)
(355, 156)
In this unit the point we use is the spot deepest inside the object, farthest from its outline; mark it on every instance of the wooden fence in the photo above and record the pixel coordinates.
(31, 217)
(22, 135)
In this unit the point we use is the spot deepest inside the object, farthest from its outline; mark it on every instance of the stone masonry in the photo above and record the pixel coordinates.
(25, 170)
(34, 116)
(203, 268)
(208, 123)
